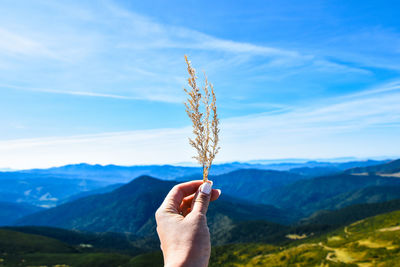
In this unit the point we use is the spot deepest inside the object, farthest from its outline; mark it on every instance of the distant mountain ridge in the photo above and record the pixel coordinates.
(50, 187)
(117, 174)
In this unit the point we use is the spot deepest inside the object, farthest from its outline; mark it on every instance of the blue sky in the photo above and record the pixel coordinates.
(101, 82)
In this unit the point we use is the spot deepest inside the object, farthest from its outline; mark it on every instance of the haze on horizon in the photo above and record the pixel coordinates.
(102, 83)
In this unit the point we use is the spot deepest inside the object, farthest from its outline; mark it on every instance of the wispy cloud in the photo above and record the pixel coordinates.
(180, 37)
(98, 45)
(326, 131)
(369, 47)
(152, 97)
(12, 43)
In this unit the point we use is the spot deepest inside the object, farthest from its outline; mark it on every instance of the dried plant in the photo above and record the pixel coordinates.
(205, 125)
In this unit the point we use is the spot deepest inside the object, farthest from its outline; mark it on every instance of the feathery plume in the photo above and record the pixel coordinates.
(205, 125)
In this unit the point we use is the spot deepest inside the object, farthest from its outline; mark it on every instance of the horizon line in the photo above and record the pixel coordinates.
(188, 164)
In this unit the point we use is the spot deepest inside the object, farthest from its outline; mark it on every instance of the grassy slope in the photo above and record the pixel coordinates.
(370, 242)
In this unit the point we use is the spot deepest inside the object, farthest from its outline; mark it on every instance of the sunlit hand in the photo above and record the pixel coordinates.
(182, 224)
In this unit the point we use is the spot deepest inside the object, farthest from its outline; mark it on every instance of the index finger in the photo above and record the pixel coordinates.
(174, 198)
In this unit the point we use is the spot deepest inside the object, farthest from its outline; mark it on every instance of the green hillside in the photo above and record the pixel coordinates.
(310, 195)
(98, 241)
(11, 241)
(22, 249)
(131, 208)
(372, 194)
(350, 214)
(10, 212)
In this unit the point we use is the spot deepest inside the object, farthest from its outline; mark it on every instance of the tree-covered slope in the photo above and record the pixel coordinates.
(24, 249)
(372, 194)
(309, 195)
(107, 241)
(10, 212)
(12, 241)
(385, 168)
(131, 208)
(253, 184)
(97, 191)
(349, 214)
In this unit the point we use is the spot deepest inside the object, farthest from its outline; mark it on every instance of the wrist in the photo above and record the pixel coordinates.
(176, 261)
(175, 258)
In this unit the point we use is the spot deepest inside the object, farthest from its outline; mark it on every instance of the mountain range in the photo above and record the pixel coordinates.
(123, 174)
(280, 197)
(304, 195)
(50, 187)
(306, 214)
(131, 208)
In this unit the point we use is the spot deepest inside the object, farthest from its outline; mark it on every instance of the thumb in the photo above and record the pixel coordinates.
(202, 198)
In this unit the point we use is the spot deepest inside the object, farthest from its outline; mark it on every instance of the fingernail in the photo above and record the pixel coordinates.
(206, 187)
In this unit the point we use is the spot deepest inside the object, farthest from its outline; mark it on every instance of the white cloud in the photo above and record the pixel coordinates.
(352, 126)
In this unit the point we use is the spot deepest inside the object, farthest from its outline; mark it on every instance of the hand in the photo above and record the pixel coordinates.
(182, 224)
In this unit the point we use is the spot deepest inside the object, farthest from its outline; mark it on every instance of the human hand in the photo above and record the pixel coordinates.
(182, 224)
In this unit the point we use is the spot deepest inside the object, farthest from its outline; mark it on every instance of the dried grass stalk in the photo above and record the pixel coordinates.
(205, 125)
